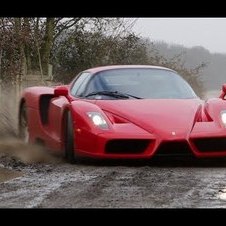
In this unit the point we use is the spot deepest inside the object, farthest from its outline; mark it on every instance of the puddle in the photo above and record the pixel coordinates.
(6, 174)
(222, 194)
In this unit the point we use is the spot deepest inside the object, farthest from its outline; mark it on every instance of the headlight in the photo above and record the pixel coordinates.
(223, 117)
(98, 119)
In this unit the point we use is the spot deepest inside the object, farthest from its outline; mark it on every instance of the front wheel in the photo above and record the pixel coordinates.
(23, 124)
(70, 153)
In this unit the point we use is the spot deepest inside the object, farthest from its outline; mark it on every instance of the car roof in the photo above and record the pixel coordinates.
(110, 67)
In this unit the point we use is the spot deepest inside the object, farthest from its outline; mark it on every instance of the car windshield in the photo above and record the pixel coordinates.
(139, 82)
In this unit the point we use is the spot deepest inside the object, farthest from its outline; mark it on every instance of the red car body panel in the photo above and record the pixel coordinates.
(156, 122)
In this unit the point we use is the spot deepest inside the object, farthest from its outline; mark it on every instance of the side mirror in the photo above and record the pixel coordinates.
(223, 92)
(61, 91)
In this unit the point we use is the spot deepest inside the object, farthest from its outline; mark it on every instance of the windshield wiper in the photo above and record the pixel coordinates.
(112, 94)
(130, 95)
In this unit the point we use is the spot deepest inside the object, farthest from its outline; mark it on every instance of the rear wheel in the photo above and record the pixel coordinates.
(70, 153)
(23, 125)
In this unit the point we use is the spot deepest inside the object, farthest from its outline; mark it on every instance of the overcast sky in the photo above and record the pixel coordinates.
(207, 32)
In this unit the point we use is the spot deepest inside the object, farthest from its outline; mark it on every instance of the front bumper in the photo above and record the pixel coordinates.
(205, 140)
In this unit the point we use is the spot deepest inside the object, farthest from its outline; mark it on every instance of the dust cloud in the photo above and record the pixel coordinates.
(11, 146)
(26, 153)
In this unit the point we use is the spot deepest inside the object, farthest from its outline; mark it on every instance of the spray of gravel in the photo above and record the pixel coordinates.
(10, 146)
(25, 153)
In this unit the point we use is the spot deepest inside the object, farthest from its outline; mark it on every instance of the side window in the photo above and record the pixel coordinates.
(80, 83)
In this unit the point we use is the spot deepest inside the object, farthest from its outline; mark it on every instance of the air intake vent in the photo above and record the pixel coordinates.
(217, 144)
(174, 149)
(126, 146)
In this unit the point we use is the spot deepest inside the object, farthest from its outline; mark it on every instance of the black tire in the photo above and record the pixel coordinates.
(23, 124)
(70, 153)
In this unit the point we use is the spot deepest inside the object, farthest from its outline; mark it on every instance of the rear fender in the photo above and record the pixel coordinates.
(32, 95)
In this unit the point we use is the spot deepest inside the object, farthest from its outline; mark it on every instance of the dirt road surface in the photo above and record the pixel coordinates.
(155, 184)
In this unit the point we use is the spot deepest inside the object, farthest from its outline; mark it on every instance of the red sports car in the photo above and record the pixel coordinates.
(129, 112)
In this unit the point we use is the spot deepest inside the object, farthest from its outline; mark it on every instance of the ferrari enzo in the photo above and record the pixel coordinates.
(124, 112)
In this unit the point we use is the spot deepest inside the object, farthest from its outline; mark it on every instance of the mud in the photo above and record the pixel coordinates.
(30, 177)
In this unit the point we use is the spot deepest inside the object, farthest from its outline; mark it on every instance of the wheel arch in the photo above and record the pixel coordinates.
(22, 102)
(63, 123)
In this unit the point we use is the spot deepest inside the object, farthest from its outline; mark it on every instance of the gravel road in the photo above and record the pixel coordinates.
(155, 184)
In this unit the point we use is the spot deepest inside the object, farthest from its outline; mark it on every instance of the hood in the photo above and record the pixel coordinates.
(165, 116)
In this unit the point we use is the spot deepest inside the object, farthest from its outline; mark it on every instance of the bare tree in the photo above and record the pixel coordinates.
(30, 41)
